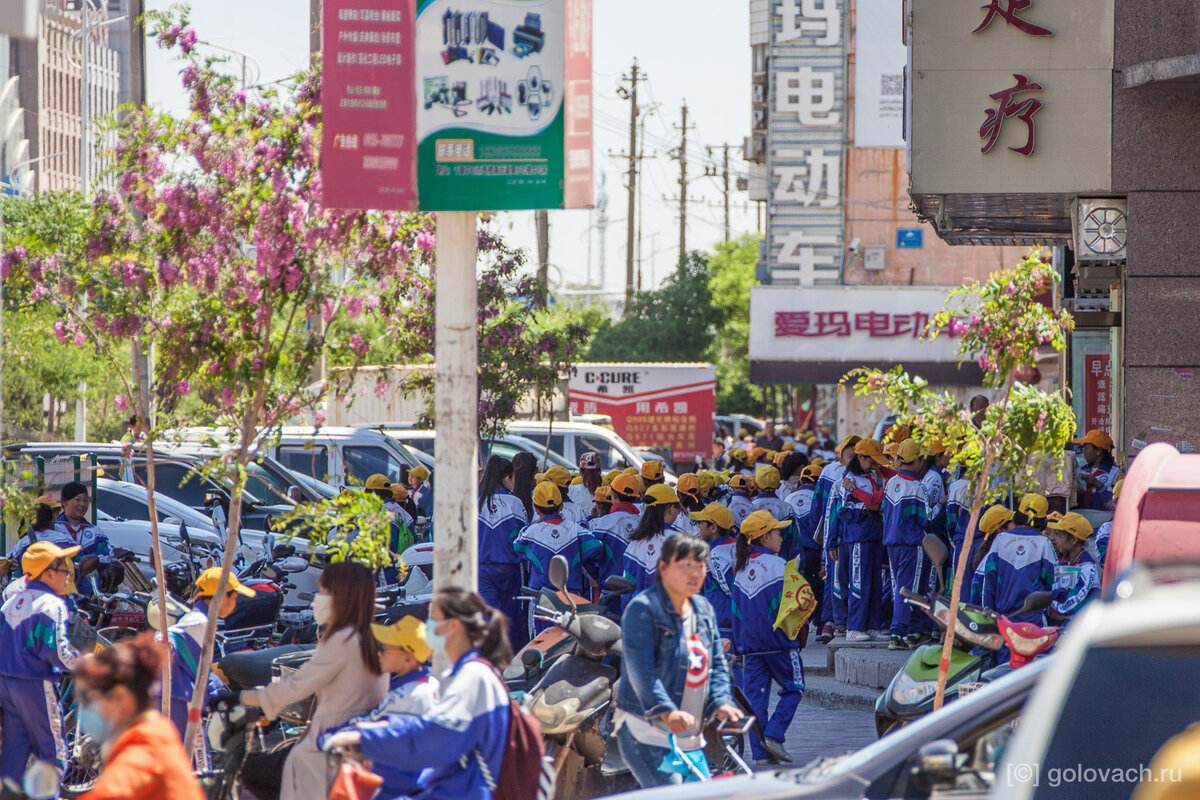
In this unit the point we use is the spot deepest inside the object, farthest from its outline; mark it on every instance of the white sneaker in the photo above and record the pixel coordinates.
(877, 634)
(858, 636)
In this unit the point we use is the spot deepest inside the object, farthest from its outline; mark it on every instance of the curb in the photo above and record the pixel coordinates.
(826, 692)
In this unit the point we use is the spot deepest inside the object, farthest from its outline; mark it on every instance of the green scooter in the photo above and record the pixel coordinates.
(912, 690)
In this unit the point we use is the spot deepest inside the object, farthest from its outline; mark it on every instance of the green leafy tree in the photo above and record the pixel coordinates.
(676, 322)
(1003, 327)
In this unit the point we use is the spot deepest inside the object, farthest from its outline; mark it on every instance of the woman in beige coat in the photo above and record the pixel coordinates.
(344, 674)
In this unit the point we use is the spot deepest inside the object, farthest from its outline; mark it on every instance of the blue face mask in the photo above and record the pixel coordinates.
(93, 724)
(434, 639)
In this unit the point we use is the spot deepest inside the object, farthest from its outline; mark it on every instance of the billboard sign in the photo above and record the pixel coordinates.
(880, 57)
(655, 405)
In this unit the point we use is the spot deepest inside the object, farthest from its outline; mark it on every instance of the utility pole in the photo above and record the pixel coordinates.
(541, 218)
(683, 182)
(630, 94)
(711, 171)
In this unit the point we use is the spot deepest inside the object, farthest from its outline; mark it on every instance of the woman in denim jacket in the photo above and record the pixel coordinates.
(674, 669)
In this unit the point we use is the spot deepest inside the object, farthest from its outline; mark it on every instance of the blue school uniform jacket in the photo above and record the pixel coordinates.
(958, 508)
(802, 502)
(1075, 584)
(641, 561)
(33, 635)
(1099, 498)
(855, 521)
(556, 536)
(501, 518)
(1020, 561)
(459, 743)
(185, 638)
(740, 505)
(827, 503)
(716, 582)
(92, 542)
(905, 510)
(935, 500)
(757, 594)
(612, 531)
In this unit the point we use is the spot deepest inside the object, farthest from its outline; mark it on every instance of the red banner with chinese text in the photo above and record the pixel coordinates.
(1097, 393)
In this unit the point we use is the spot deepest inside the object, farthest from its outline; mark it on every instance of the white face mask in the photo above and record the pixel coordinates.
(322, 607)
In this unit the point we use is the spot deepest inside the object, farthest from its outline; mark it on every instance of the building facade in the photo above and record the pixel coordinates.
(849, 276)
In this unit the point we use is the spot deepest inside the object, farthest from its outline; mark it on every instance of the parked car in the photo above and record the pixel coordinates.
(902, 764)
(572, 439)
(733, 424)
(1122, 686)
(507, 446)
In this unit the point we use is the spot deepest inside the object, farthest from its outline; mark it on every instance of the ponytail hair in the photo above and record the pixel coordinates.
(741, 549)
(486, 627)
(652, 523)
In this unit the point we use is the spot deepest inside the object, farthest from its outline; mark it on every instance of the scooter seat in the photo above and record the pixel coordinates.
(253, 668)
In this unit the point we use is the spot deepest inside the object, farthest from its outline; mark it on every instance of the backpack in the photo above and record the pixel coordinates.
(526, 772)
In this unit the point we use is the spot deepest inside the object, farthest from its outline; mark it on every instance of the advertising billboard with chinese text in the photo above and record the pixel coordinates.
(656, 405)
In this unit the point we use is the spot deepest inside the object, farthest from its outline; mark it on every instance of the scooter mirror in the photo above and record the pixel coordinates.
(935, 549)
(293, 564)
(619, 584)
(558, 572)
(937, 763)
(1036, 601)
(41, 780)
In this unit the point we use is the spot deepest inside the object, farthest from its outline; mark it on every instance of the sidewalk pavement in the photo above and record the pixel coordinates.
(849, 675)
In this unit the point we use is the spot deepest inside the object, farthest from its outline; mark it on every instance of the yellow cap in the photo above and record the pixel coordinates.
(818, 462)
(758, 453)
(1074, 524)
(937, 446)
(557, 475)
(871, 449)
(652, 470)
(770, 455)
(1034, 505)
(399, 493)
(789, 447)
(811, 472)
(378, 481)
(993, 518)
(630, 471)
(739, 482)
(627, 485)
(206, 584)
(708, 482)
(689, 484)
(738, 454)
(660, 495)
(577, 480)
(767, 478)
(908, 450)
(722, 477)
(612, 474)
(898, 433)
(603, 494)
(407, 632)
(605, 480)
(40, 555)
(547, 495)
(716, 513)
(419, 471)
(850, 441)
(759, 524)
(891, 449)
(1096, 438)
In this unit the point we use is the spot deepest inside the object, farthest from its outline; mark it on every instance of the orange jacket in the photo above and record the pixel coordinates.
(147, 762)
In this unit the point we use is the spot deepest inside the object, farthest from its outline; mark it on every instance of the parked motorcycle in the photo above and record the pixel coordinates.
(980, 636)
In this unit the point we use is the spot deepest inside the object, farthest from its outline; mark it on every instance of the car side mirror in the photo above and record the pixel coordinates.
(936, 763)
(295, 495)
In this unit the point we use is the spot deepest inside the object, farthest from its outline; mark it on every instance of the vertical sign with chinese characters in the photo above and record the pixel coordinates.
(806, 131)
(1097, 378)
(656, 405)
(368, 148)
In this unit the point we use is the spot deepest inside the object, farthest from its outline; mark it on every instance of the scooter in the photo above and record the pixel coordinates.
(978, 640)
(230, 731)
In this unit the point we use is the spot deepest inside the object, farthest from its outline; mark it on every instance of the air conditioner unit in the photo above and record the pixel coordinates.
(1101, 229)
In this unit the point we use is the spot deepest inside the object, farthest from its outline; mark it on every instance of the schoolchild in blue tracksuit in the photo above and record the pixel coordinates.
(90, 539)
(688, 489)
(860, 528)
(934, 481)
(613, 529)
(1077, 577)
(1019, 561)
(905, 519)
(958, 517)
(34, 655)
(823, 517)
(739, 500)
(715, 523)
(555, 535)
(501, 518)
(808, 557)
(460, 742)
(767, 480)
(646, 540)
(1100, 476)
(186, 639)
(768, 654)
(561, 478)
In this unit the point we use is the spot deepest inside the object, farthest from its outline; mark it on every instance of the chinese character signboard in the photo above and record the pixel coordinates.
(368, 152)
(856, 325)
(505, 95)
(806, 128)
(1097, 393)
(880, 57)
(657, 405)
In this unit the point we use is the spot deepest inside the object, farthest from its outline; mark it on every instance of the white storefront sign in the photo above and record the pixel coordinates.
(880, 56)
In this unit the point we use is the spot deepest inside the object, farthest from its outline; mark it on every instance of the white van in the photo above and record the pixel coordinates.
(572, 439)
(341, 456)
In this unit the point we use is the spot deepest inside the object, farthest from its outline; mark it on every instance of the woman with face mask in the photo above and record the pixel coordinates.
(143, 757)
(344, 674)
(460, 742)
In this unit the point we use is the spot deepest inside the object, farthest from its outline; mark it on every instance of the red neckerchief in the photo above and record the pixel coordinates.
(628, 508)
(71, 529)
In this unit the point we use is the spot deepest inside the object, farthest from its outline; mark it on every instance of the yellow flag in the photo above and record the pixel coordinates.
(798, 602)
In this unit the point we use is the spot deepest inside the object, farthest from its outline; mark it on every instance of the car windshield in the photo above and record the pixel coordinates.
(1140, 714)
(909, 739)
(548, 457)
(126, 504)
(266, 484)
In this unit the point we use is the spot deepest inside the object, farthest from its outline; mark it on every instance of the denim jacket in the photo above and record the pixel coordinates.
(654, 659)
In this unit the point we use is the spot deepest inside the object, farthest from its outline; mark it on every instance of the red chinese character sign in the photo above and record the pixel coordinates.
(656, 405)
(1010, 13)
(1023, 110)
(1097, 397)
(368, 147)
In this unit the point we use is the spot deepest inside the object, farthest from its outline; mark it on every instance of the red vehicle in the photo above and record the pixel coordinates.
(1157, 519)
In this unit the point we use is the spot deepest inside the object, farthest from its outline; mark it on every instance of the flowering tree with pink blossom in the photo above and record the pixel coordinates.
(1003, 325)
